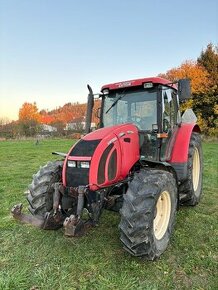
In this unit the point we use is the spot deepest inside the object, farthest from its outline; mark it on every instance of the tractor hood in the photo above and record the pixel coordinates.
(103, 132)
(102, 158)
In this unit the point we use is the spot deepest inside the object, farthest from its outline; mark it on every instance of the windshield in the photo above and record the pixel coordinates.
(136, 106)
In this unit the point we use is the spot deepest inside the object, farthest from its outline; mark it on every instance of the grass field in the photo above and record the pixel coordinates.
(37, 259)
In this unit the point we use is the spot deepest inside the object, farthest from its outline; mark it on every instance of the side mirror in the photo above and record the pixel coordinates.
(184, 89)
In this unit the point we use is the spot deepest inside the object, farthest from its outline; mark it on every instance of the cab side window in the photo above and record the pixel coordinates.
(170, 109)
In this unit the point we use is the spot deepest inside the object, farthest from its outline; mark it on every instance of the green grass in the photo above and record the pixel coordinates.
(48, 260)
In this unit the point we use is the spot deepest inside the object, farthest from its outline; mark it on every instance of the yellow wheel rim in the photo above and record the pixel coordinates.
(196, 169)
(163, 210)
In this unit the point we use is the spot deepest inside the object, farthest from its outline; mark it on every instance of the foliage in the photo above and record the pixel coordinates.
(45, 118)
(10, 130)
(203, 74)
(48, 260)
(29, 128)
(29, 119)
(29, 112)
(4, 121)
(68, 113)
(209, 60)
(208, 108)
(192, 70)
(60, 127)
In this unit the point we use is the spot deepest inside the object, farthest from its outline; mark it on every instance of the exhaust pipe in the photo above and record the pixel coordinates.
(90, 104)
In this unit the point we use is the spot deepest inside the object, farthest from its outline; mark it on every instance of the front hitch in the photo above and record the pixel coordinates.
(51, 221)
(74, 225)
(36, 221)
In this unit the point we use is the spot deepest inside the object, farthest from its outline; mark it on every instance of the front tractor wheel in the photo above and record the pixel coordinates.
(148, 213)
(41, 190)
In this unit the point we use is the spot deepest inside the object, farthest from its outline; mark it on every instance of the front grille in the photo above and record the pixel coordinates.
(77, 176)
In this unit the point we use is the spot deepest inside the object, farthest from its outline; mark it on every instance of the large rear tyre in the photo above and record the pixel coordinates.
(148, 213)
(190, 190)
(41, 190)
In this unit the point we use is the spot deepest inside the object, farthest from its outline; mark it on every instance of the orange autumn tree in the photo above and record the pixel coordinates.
(68, 113)
(46, 119)
(29, 111)
(29, 119)
(192, 70)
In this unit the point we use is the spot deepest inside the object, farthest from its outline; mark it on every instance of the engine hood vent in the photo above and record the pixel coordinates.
(84, 148)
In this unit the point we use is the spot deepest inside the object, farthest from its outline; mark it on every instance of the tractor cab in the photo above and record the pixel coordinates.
(152, 105)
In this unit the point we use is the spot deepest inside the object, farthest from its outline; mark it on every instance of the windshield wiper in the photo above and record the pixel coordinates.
(114, 103)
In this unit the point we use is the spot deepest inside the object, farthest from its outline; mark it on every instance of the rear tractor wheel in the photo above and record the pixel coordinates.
(41, 190)
(190, 190)
(148, 213)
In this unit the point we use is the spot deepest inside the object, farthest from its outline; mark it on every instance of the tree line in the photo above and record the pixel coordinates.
(202, 72)
(31, 120)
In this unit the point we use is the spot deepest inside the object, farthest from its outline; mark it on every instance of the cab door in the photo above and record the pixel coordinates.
(170, 121)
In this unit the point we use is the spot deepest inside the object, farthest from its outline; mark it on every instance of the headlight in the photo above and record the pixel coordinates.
(83, 164)
(71, 163)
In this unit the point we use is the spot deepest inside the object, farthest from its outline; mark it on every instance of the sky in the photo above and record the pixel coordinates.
(51, 49)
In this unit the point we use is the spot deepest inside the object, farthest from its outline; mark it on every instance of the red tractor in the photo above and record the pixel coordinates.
(143, 161)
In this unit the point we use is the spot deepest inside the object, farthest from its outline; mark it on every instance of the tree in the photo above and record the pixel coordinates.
(209, 60)
(29, 118)
(28, 112)
(46, 119)
(4, 121)
(209, 107)
(60, 127)
(9, 129)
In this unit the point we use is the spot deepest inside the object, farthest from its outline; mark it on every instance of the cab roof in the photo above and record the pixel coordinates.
(139, 82)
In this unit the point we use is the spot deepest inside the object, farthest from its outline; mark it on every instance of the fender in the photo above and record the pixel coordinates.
(179, 156)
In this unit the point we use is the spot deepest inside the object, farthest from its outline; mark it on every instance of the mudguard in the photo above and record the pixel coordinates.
(179, 156)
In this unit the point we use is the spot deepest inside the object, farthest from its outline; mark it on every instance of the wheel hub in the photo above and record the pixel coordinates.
(162, 217)
(196, 169)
